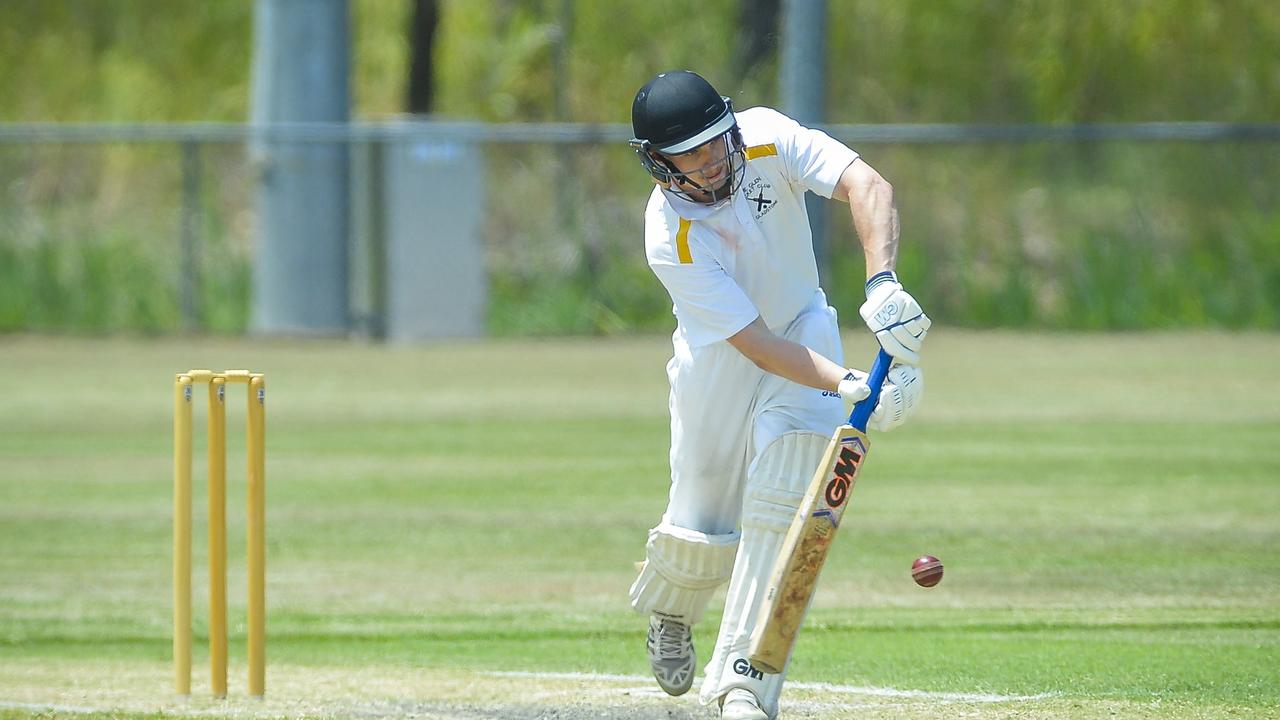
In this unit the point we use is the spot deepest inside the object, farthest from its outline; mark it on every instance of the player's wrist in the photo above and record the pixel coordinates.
(880, 278)
(843, 382)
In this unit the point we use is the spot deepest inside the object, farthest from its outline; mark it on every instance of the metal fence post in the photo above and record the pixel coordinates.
(300, 75)
(189, 282)
(803, 75)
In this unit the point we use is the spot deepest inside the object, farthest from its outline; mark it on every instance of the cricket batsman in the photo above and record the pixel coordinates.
(758, 380)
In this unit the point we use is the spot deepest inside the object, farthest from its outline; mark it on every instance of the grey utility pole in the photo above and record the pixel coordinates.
(300, 74)
(803, 88)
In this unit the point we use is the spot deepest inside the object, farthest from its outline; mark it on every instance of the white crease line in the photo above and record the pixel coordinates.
(823, 687)
(640, 685)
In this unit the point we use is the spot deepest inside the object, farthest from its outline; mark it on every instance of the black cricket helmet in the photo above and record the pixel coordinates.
(678, 112)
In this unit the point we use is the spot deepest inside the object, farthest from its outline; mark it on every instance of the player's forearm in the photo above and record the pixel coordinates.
(875, 215)
(787, 359)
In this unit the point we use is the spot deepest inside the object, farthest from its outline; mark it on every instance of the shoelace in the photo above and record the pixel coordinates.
(673, 640)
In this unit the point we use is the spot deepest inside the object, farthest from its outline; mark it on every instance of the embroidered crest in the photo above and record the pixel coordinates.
(760, 197)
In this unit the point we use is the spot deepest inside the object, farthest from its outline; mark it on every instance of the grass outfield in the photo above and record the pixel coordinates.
(451, 532)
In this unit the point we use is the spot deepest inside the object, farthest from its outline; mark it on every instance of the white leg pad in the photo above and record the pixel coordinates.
(776, 484)
(682, 569)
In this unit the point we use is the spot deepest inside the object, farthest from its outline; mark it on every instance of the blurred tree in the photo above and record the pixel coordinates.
(757, 35)
(1064, 235)
(907, 61)
(422, 42)
(127, 60)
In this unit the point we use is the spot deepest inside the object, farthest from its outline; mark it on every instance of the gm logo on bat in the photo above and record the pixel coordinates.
(842, 478)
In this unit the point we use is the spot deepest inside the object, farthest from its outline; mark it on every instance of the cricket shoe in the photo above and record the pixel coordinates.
(671, 656)
(740, 704)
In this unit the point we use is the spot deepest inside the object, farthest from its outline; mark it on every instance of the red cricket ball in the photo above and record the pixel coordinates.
(926, 571)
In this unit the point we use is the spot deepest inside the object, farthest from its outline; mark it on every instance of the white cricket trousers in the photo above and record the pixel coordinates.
(724, 410)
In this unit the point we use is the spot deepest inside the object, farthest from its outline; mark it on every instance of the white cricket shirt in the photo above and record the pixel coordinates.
(752, 254)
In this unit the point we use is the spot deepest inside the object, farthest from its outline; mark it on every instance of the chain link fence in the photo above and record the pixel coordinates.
(151, 228)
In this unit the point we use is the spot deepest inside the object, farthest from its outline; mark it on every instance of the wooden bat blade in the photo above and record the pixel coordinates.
(804, 550)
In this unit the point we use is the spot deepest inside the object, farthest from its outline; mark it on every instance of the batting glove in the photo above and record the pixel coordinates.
(853, 388)
(895, 317)
(899, 398)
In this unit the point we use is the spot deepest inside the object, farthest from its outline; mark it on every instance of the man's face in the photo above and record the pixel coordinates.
(707, 165)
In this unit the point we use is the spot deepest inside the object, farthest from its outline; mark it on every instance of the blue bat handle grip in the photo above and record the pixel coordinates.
(862, 409)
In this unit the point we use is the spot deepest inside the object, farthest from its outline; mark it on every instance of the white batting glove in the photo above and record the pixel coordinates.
(899, 398)
(895, 317)
(853, 388)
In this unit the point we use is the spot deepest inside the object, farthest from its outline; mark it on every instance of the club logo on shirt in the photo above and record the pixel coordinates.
(758, 192)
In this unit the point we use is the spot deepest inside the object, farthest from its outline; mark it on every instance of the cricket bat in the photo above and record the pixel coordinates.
(805, 548)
